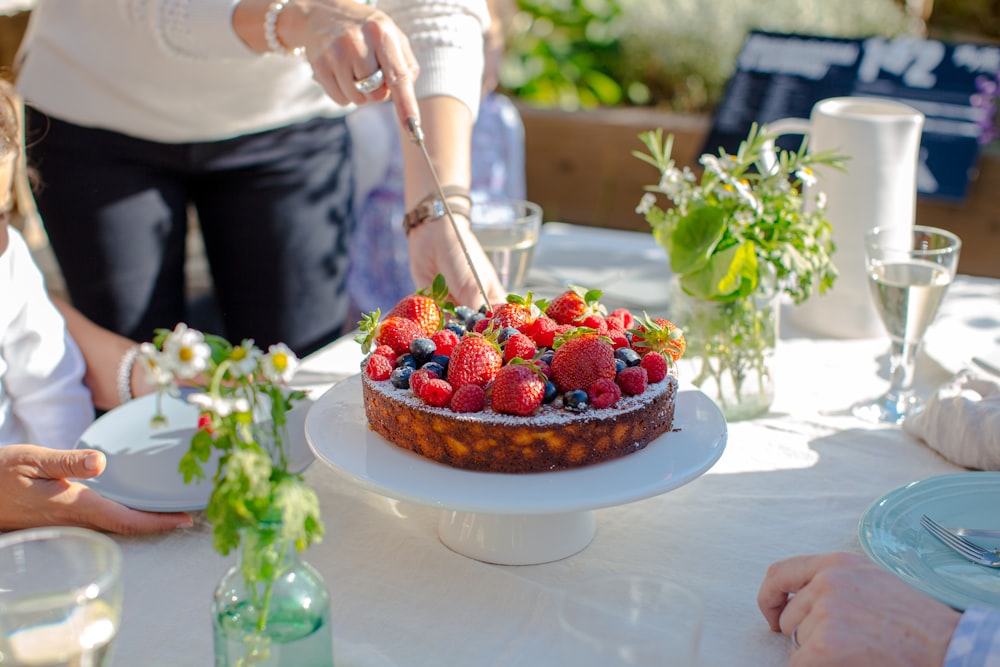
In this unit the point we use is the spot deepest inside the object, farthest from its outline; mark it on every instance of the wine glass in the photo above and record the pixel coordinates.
(908, 273)
(60, 597)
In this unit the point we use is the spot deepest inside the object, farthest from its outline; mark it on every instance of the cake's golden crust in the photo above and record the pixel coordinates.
(551, 440)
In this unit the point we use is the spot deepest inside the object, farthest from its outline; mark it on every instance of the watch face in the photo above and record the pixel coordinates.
(436, 209)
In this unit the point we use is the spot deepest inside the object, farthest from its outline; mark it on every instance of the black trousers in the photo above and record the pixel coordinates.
(274, 208)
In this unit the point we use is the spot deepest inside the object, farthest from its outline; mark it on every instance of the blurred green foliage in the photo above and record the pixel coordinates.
(679, 54)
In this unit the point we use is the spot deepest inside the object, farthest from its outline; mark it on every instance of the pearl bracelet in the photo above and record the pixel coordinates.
(125, 374)
(274, 44)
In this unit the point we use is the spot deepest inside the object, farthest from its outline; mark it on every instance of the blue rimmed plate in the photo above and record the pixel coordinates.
(891, 535)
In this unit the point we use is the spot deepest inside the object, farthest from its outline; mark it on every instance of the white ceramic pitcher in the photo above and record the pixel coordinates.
(881, 138)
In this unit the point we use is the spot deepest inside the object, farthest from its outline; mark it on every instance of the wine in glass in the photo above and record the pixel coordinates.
(908, 273)
(60, 597)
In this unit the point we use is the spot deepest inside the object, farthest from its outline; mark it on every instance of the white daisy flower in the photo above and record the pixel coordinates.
(155, 363)
(244, 359)
(712, 163)
(821, 200)
(806, 175)
(187, 353)
(279, 364)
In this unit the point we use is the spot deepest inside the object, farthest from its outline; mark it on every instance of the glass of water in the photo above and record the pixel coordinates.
(508, 231)
(60, 597)
(908, 273)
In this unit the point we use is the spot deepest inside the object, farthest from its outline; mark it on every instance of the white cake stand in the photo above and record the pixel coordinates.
(515, 519)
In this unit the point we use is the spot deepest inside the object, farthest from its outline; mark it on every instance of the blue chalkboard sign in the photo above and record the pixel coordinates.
(784, 75)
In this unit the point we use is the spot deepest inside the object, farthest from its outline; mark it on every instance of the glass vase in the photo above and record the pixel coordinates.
(730, 347)
(271, 609)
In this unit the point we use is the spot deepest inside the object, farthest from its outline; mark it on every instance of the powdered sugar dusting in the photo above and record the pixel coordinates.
(551, 414)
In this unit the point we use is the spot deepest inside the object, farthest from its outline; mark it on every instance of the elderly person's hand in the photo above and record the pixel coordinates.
(842, 609)
(37, 489)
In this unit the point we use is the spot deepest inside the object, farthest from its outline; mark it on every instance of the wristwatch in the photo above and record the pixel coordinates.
(432, 207)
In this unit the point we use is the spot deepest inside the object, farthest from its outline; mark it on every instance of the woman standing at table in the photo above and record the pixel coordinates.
(44, 400)
(138, 109)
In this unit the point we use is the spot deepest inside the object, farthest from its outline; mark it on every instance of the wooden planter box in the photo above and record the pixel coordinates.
(580, 169)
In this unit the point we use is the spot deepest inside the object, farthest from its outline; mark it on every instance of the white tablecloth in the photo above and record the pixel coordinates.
(796, 480)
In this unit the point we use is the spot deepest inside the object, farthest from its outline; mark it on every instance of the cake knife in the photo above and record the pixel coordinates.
(417, 135)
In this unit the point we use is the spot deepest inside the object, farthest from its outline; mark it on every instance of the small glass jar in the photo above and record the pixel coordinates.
(271, 609)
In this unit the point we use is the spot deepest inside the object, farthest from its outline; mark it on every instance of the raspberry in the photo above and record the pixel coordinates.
(482, 325)
(655, 365)
(603, 393)
(633, 380)
(617, 336)
(420, 376)
(378, 368)
(622, 317)
(387, 352)
(469, 398)
(435, 392)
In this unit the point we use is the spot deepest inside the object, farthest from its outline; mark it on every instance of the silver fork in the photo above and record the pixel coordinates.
(963, 546)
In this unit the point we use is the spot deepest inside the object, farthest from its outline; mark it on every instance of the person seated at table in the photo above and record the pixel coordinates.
(49, 387)
(843, 609)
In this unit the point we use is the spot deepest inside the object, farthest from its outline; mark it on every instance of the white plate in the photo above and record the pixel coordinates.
(142, 460)
(338, 433)
(892, 536)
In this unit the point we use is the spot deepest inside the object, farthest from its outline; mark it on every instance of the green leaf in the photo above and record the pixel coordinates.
(695, 237)
(731, 274)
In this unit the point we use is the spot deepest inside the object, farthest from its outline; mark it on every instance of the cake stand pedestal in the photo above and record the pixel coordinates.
(514, 519)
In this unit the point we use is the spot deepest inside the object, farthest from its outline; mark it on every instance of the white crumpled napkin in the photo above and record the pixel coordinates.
(961, 421)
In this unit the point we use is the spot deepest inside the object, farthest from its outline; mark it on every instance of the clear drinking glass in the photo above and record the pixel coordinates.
(508, 231)
(60, 597)
(908, 273)
(631, 620)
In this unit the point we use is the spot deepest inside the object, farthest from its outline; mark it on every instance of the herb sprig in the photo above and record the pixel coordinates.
(747, 227)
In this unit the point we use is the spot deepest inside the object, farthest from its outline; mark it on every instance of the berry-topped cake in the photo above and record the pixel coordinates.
(528, 386)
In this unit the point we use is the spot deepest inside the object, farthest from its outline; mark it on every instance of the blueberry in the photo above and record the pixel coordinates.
(483, 309)
(576, 400)
(470, 323)
(406, 360)
(441, 360)
(547, 356)
(436, 368)
(400, 377)
(458, 328)
(620, 365)
(506, 333)
(422, 350)
(550, 392)
(464, 312)
(628, 355)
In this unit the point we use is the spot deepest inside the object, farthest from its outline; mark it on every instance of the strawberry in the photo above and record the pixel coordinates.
(378, 367)
(656, 366)
(660, 335)
(603, 393)
(436, 392)
(396, 332)
(475, 360)
(519, 312)
(517, 390)
(426, 307)
(519, 345)
(543, 331)
(445, 341)
(633, 380)
(468, 398)
(581, 358)
(574, 304)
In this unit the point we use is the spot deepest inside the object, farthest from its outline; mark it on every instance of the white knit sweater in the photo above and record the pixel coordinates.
(175, 71)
